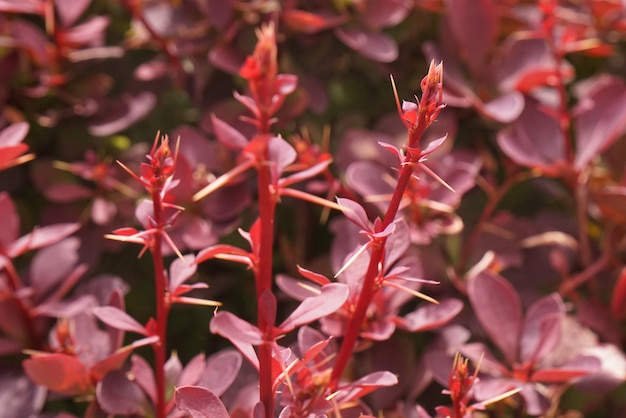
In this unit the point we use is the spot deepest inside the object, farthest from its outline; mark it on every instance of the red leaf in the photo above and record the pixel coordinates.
(10, 221)
(313, 276)
(225, 251)
(60, 373)
(306, 22)
(113, 362)
(498, 309)
(558, 375)
(200, 402)
(618, 299)
(529, 63)
(367, 384)
(118, 319)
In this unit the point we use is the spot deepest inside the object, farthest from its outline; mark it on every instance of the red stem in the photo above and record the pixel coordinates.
(267, 206)
(162, 307)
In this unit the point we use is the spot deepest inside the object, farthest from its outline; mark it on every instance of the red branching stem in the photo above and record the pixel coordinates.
(568, 286)
(162, 307)
(167, 46)
(494, 198)
(565, 121)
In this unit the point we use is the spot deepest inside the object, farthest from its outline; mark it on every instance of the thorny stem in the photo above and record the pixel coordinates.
(370, 287)
(162, 307)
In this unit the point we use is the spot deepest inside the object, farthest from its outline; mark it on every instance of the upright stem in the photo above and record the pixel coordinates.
(161, 306)
(370, 287)
(267, 206)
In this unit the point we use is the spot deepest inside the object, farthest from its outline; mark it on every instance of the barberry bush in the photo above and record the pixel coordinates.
(312, 208)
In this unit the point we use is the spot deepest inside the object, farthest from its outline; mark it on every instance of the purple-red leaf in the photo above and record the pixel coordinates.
(542, 328)
(601, 119)
(118, 395)
(534, 140)
(505, 108)
(296, 288)
(281, 154)
(227, 135)
(235, 329)
(181, 270)
(380, 14)
(200, 402)
(42, 237)
(498, 309)
(117, 114)
(70, 10)
(330, 299)
(13, 134)
(355, 213)
(221, 371)
(118, 319)
(430, 316)
(144, 376)
(474, 25)
(374, 45)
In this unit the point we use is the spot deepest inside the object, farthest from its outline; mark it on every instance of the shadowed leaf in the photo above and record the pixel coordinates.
(498, 309)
